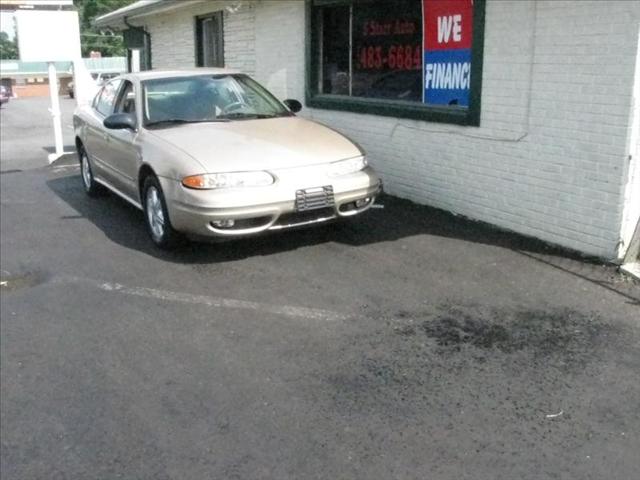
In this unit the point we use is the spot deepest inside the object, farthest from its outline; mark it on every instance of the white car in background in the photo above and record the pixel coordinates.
(100, 78)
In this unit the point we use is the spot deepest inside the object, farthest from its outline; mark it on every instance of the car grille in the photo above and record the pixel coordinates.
(314, 198)
(301, 218)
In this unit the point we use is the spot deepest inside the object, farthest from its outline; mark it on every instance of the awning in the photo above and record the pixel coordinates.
(141, 8)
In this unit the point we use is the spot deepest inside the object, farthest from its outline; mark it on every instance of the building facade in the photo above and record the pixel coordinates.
(533, 126)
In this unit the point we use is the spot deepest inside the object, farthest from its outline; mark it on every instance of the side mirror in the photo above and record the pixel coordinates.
(119, 121)
(294, 105)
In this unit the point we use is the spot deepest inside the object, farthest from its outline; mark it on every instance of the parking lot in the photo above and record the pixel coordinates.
(408, 344)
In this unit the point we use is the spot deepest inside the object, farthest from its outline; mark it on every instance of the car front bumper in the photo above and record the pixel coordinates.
(209, 213)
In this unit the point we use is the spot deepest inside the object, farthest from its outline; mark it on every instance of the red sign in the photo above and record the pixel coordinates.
(447, 24)
(448, 27)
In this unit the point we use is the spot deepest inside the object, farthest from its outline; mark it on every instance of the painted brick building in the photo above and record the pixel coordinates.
(545, 145)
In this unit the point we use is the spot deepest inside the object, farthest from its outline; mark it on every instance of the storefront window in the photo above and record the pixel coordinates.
(406, 58)
(335, 50)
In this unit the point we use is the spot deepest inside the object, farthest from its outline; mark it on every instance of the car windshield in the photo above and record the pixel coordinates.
(207, 98)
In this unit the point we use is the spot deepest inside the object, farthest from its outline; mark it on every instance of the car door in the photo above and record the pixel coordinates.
(96, 137)
(92, 133)
(123, 149)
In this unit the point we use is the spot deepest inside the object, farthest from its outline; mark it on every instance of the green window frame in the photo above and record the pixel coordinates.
(137, 38)
(209, 38)
(469, 116)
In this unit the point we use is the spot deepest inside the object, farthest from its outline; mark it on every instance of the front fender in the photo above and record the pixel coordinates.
(165, 159)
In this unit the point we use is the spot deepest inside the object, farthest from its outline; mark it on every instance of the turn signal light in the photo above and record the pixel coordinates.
(228, 180)
(195, 181)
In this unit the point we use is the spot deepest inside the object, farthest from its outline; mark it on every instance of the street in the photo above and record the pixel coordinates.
(408, 344)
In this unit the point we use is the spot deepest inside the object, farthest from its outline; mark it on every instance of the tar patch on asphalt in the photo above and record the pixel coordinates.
(565, 334)
(16, 281)
(566, 339)
(544, 332)
(439, 358)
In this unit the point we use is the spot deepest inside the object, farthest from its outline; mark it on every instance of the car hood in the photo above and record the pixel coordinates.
(261, 144)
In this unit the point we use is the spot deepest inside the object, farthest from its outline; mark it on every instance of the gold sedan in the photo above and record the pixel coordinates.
(211, 153)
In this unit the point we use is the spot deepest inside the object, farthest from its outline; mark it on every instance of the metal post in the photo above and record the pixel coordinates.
(135, 60)
(55, 113)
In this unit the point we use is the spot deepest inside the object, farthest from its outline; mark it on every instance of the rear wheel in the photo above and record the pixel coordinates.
(91, 187)
(156, 215)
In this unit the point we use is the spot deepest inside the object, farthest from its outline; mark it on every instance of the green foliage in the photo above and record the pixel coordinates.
(8, 48)
(108, 43)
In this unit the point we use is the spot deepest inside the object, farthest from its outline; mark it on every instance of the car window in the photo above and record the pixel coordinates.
(207, 98)
(96, 99)
(107, 98)
(127, 99)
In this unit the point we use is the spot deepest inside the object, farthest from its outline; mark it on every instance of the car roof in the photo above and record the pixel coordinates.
(158, 74)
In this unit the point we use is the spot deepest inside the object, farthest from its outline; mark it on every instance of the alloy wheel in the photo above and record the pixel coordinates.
(86, 172)
(155, 213)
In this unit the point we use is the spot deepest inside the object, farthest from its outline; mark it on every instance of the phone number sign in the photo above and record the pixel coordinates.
(448, 31)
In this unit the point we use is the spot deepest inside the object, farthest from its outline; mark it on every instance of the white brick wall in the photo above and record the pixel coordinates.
(173, 36)
(240, 39)
(280, 47)
(549, 157)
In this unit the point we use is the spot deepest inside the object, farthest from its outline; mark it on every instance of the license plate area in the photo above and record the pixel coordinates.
(314, 198)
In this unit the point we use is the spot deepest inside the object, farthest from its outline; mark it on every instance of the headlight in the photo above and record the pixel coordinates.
(344, 167)
(228, 180)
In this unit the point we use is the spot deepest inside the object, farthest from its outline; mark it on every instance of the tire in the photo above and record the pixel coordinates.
(156, 215)
(91, 187)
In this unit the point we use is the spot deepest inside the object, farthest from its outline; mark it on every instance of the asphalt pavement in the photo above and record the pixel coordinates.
(408, 344)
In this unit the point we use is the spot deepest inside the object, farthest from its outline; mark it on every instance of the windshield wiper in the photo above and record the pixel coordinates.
(177, 121)
(248, 116)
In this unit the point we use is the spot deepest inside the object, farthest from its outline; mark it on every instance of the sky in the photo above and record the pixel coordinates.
(6, 23)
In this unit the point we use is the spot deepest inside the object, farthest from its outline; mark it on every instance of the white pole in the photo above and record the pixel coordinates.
(55, 113)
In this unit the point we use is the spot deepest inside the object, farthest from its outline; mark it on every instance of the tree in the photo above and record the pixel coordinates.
(94, 39)
(8, 48)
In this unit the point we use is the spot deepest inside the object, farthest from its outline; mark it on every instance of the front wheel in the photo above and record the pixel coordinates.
(91, 187)
(157, 216)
